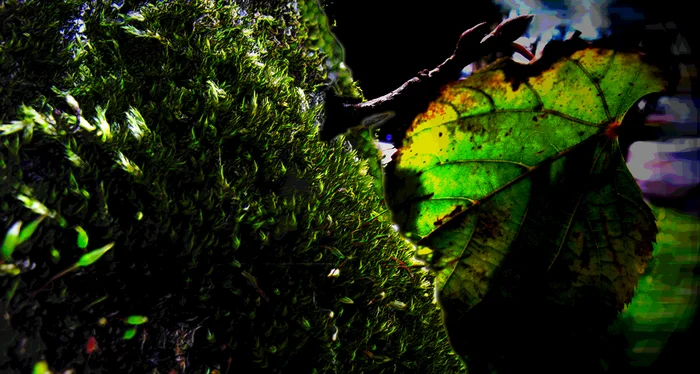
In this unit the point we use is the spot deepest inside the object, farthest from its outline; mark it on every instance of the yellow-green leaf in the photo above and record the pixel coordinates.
(90, 257)
(82, 237)
(11, 240)
(34, 205)
(516, 171)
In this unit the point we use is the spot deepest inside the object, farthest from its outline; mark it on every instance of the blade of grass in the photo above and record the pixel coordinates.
(85, 260)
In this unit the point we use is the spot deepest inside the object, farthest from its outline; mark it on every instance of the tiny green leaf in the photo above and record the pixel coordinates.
(82, 237)
(9, 269)
(346, 300)
(335, 252)
(73, 103)
(136, 320)
(396, 304)
(11, 241)
(129, 334)
(105, 129)
(11, 128)
(34, 205)
(90, 257)
(28, 230)
(127, 165)
(136, 123)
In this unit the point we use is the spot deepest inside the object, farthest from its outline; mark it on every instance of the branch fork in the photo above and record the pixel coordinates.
(412, 98)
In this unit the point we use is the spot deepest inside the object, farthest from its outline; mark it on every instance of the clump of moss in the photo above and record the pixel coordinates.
(182, 135)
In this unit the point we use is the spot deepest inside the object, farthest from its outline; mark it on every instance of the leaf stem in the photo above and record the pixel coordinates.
(412, 98)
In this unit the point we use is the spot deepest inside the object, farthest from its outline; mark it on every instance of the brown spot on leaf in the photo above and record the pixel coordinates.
(449, 216)
(472, 127)
(490, 225)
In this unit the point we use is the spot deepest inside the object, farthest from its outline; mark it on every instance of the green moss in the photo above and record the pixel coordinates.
(320, 38)
(185, 132)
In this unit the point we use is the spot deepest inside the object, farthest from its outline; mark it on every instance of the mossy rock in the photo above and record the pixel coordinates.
(186, 134)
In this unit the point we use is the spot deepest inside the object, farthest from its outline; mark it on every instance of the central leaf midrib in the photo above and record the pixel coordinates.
(512, 182)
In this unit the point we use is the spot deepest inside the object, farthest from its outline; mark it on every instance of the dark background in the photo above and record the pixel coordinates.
(387, 42)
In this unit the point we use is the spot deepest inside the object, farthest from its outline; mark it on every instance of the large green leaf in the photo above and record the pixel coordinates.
(513, 178)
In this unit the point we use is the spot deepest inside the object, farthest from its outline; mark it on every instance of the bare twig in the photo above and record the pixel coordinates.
(412, 98)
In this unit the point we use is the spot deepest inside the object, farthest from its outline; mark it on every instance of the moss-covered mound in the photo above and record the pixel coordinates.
(165, 205)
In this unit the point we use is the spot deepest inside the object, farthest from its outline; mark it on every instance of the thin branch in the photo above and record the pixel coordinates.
(412, 98)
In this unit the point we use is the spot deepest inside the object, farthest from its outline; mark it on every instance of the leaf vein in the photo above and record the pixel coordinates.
(627, 93)
(488, 96)
(445, 163)
(461, 253)
(597, 87)
(546, 111)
